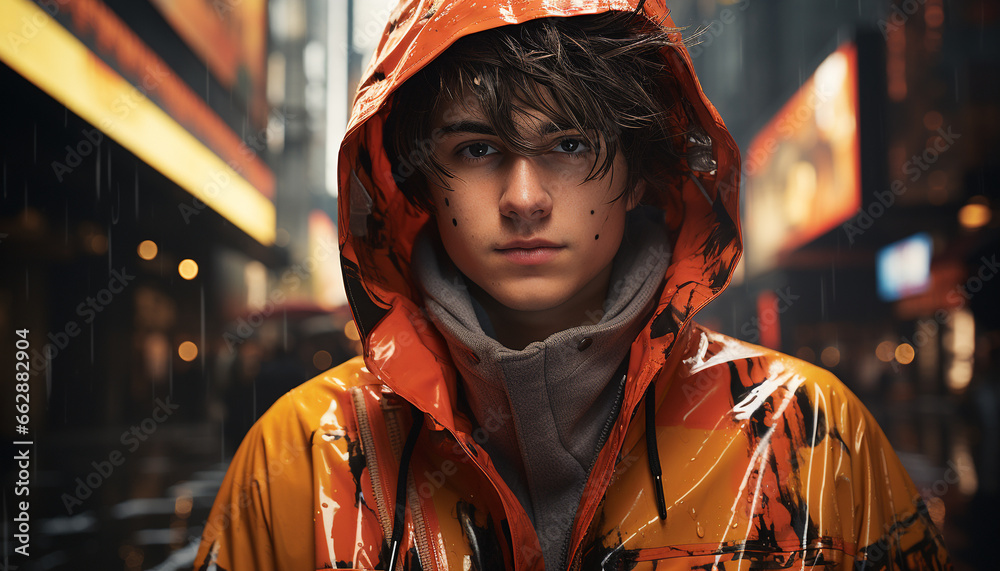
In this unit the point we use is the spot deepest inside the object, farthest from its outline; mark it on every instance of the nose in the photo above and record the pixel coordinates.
(525, 196)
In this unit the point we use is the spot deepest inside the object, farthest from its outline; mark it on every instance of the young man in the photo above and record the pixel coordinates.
(536, 198)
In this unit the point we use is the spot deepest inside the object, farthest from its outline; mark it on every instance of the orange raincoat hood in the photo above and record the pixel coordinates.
(378, 225)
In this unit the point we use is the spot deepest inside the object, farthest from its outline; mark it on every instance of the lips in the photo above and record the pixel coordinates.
(529, 252)
(528, 244)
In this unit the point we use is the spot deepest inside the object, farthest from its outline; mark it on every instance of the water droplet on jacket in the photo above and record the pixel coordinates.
(692, 458)
(735, 524)
(700, 531)
(325, 505)
(693, 514)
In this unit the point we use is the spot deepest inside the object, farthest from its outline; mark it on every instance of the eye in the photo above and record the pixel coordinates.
(571, 147)
(477, 151)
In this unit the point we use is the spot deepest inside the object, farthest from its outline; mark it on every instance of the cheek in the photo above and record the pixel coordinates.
(606, 226)
(602, 221)
(447, 215)
(462, 210)
(456, 226)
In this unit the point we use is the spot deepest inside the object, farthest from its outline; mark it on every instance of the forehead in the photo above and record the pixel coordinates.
(466, 109)
(453, 109)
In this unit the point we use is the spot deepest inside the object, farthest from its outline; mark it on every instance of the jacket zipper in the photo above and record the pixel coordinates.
(385, 511)
(371, 460)
(396, 438)
(419, 525)
(601, 442)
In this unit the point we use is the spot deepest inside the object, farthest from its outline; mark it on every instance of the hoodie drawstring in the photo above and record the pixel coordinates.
(404, 470)
(653, 451)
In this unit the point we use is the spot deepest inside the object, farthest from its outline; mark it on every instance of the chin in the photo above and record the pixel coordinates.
(528, 300)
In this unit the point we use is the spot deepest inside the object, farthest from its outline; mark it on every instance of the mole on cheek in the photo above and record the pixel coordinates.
(592, 212)
(446, 203)
(454, 222)
(596, 236)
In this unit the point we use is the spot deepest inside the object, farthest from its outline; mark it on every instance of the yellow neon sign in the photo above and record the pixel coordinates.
(41, 50)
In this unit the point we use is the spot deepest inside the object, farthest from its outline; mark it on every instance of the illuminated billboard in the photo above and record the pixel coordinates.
(231, 39)
(802, 170)
(102, 71)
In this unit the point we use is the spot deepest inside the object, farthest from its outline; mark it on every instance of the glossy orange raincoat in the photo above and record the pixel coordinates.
(767, 462)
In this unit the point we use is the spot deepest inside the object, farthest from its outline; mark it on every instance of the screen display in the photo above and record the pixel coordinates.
(904, 267)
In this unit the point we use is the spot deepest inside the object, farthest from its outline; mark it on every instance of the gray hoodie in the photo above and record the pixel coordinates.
(544, 409)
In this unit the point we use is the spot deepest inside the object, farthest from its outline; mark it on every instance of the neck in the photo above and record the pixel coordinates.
(517, 329)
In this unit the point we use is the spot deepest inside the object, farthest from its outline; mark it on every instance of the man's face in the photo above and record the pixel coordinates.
(527, 229)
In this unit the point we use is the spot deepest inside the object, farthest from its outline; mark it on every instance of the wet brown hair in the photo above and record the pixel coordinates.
(600, 75)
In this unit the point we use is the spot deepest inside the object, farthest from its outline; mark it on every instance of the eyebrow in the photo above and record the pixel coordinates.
(469, 126)
(481, 128)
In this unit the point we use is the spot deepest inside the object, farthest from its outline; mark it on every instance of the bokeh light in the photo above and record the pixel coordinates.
(904, 353)
(974, 215)
(188, 269)
(806, 354)
(187, 351)
(322, 360)
(99, 244)
(148, 249)
(830, 356)
(351, 331)
(884, 351)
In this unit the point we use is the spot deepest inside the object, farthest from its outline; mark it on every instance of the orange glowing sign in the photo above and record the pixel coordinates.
(231, 38)
(803, 173)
